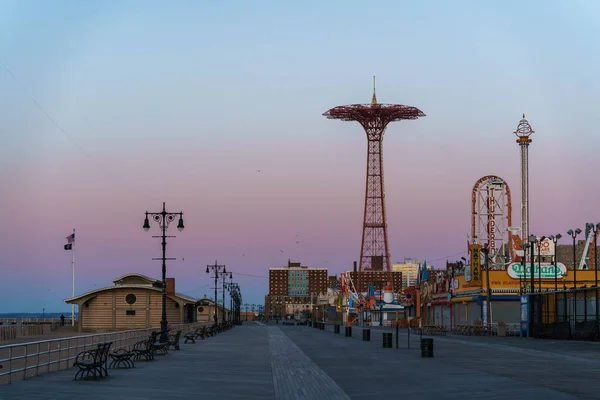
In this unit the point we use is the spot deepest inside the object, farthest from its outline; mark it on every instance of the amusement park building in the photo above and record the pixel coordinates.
(447, 299)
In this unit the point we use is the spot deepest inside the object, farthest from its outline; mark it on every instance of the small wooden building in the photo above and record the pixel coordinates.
(133, 302)
(206, 310)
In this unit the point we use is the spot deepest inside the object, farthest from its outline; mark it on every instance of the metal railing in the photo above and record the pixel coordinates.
(11, 332)
(25, 360)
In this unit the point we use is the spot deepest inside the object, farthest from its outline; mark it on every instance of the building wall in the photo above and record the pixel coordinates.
(317, 281)
(206, 313)
(278, 282)
(109, 310)
(409, 273)
(376, 276)
(279, 306)
(291, 281)
(564, 253)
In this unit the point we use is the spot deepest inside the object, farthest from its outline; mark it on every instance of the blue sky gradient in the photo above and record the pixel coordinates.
(185, 101)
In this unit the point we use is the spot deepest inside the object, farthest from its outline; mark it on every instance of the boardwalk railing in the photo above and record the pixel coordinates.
(10, 332)
(47, 320)
(25, 360)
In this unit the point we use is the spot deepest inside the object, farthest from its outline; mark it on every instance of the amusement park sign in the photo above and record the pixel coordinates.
(517, 270)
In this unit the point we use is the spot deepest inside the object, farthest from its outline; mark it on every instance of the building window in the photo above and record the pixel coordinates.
(129, 312)
(200, 309)
(130, 299)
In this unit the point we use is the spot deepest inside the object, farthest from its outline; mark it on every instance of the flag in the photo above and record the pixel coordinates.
(71, 238)
(68, 246)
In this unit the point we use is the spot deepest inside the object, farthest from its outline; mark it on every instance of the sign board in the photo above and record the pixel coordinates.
(545, 248)
(484, 312)
(548, 270)
(524, 317)
(475, 250)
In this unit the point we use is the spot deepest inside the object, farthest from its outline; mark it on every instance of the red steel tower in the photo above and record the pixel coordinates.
(374, 118)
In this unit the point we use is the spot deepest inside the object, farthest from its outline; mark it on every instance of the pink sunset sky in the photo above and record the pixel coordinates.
(106, 111)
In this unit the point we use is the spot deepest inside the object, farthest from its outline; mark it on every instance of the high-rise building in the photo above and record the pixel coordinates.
(297, 280)
(410, 270)
(377, 278)
(294, 288)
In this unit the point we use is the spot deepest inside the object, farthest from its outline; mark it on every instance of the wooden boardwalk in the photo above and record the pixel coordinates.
(235, 364)
(254, 361)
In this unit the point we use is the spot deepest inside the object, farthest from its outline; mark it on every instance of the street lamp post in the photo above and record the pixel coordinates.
(574, 236)
(224, 275)
(380, 303)
(523, 277)
(163, 219)
(218, 270)
(231, 288)
(539, 249)
(596, 229)
(532, 240)
(555, 239)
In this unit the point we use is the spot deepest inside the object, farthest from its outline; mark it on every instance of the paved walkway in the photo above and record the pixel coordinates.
(254, 361)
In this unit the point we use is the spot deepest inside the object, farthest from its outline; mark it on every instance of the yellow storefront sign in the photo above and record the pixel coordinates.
(475, 250)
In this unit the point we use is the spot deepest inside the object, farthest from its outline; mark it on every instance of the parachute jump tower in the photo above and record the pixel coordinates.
(374, 118)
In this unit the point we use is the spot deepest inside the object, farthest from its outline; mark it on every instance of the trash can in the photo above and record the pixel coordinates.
(348, 331)
(387, 340)
(427, 347)
(336, 329)
(366, 335)
(501, 329)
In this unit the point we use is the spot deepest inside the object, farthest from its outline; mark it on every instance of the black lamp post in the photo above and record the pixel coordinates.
(574, 236)
(596, 229)
(218, 270)
(224, 275)
(231, 288)
(555, 239)
(163, 219)
(532, 240)
(523, 277)
(246, 310)
(539, 259)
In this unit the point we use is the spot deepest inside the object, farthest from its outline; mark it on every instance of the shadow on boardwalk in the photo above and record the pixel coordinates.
(235, 364)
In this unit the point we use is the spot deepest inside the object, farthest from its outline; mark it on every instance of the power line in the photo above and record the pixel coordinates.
(451, 255)
(112, 176)
(39, 106)
(253, 276)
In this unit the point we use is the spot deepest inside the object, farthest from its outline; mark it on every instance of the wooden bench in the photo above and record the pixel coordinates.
(122, 358)
(212, 330)
(143, 349)
(158, 347)
(174, 340)
(198, 333)
(93, 362)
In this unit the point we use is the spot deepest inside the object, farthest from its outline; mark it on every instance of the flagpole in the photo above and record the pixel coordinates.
(73, 288)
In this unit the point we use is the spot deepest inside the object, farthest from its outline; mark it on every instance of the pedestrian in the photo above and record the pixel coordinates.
(62, 320)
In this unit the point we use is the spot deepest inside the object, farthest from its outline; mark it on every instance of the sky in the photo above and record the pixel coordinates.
(109, 108)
